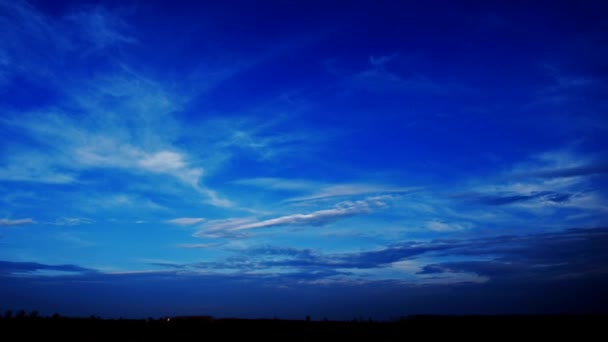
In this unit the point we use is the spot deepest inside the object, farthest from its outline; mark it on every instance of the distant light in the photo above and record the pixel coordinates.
(168, 319)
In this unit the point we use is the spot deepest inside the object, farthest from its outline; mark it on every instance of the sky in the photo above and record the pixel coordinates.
(338, 159)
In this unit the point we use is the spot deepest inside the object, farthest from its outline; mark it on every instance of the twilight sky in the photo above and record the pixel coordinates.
(336, 159)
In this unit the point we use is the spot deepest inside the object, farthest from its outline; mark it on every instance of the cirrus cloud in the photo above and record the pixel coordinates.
(16, 222)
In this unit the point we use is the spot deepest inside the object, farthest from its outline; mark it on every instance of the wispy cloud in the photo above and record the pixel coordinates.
(220, 228)
(345, 190)
(318, 190)
(72, 221)
(574, 171)
(185, 221)
(379, 77)
(30, 166)
(491, 258)
(275, 183)
(16, 222)
(513, 197)
(81, 145)
(547, 183)
(119, 119)
(99, 28)
(441, 226)
(74, 239)
(85, 29)
(199, 245)
(11, 267)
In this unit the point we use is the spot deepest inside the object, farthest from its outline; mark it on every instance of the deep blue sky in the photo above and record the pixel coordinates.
(280, 159)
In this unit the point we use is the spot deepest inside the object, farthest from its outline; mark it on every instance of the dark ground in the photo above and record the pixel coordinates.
(579, 328)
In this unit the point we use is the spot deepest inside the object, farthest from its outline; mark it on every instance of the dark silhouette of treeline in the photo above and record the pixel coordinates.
(28, 326)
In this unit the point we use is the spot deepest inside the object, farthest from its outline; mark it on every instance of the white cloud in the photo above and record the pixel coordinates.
(378, 78)
(199, 245)
(72, 221)
(221, 228)
(350, 190)
(560, 171)
(273, 183)
(100, 28)
(101, 141)
(441, 226)
(186, 221)
(62, 39)
(214, 228)
(320, 190)
(17, 222)
(163, 161)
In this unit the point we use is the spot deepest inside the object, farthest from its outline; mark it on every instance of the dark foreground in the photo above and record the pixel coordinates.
(205, 328)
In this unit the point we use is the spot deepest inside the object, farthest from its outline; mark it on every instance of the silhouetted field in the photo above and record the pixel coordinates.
(206, 328)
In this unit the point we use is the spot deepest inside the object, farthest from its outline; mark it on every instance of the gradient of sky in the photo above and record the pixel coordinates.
(336, 159)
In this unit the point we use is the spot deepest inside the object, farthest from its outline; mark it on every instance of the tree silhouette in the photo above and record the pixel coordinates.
(21, 314)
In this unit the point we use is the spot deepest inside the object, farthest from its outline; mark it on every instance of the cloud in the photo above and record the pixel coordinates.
(186, 221)
(441, 226)
(99, 28)
(220, 228)
(199, 245)
(379, 78)
(172, 163)
(61, 40)
(510, 197)
(351, 190)
(117, 118)
(17, 222)
(482, 268)
(321, 190)
(106, 140)
(167, 265)
(553, 264)
(74, 239)
(28, 166)
(343, 294)
(72, 221)
(573, 253)
(273, 183)
(575, 171)
(10, 267)
(268, 250)
(564, 163)
(548, 183)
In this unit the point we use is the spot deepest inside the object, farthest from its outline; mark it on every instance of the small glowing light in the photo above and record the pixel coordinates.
(168, 319)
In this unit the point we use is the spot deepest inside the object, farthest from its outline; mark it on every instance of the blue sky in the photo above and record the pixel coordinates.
(370, 159)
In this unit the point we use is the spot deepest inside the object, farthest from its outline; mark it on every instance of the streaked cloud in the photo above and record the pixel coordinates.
(12, 267)
(199, 245)
(72, 221)
(351, 190)
(100, 28)
(185, 221)
(382, 77)
(574, 171)
(275, 183)
(79, 145)
(510, 198)
(16, 222)
(441, 226)
(218, 228)
(318, 190)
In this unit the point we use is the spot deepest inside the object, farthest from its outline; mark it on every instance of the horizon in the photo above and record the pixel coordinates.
(267, 159)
